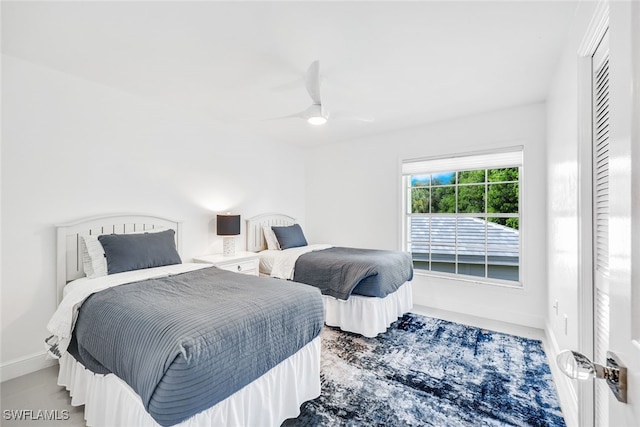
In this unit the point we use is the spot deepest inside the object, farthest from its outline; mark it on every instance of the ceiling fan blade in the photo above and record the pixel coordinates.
(317, 113)
(312, 81)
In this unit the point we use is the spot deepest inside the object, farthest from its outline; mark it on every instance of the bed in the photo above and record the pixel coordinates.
(179, 343)
(366, 308)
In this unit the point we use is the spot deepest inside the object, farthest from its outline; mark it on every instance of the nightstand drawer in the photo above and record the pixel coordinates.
(241, 262)
(245, 267)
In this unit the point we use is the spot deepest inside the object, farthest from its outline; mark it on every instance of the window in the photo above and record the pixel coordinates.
(462, 215)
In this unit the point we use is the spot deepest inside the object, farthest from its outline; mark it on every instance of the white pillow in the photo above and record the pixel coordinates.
(93, 257)
(270, 237)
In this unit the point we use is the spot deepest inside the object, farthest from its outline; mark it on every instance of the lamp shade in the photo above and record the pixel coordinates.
(228, 225)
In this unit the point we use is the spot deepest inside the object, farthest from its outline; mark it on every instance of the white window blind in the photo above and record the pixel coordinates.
(511, 157)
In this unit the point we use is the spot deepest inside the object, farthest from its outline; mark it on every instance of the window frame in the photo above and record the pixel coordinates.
(406, 213)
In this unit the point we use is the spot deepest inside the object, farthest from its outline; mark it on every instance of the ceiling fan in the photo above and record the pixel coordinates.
(316, 114)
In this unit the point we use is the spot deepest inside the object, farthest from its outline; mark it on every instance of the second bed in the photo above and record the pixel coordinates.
(364, 290)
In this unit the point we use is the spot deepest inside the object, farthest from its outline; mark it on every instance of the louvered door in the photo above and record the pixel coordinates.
(600, 106)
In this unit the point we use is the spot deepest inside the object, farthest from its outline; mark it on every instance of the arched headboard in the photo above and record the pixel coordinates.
(69, 254)
(255, 237)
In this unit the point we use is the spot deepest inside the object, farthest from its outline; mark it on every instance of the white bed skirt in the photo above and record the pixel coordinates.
(368, 316)
(267, 401)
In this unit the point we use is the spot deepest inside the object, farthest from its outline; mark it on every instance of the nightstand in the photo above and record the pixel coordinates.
(241, 262)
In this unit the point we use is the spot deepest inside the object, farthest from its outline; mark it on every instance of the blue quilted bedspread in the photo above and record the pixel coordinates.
(188, 341)
(340, 272)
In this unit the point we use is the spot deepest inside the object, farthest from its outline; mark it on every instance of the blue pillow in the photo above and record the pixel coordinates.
(290, 237)
(126, 252)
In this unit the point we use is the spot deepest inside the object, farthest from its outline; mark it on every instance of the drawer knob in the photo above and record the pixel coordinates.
(239, 268)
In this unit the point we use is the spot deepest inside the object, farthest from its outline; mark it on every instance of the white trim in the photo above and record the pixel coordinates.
(471, 279)
(25, 365)
(593, 35)
(486, 159)
(597, 27)
(401, 199)
(564, 385)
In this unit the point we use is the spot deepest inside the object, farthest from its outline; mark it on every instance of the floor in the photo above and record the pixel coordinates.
(38, 390)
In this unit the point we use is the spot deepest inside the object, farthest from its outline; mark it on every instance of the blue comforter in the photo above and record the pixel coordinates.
(340, 272)
(186, 342)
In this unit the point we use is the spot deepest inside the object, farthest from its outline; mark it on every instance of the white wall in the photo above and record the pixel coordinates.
(72, 148)
(356, 190)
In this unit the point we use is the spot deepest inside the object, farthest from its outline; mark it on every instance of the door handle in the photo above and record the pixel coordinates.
(577, 366)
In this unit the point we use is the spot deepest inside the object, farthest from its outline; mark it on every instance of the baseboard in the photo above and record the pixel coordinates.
(564, 385)
(25, 365)
(481, 322)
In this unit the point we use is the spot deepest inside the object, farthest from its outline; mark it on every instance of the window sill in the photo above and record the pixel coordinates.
(469, 279)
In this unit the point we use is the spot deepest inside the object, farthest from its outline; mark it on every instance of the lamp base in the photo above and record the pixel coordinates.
(228, 246)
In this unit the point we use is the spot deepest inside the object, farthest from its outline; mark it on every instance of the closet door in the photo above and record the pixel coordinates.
(601, 197)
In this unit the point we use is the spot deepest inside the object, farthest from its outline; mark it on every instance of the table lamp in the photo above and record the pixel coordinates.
(228, 226)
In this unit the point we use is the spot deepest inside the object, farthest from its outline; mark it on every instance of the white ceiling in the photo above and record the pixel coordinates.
(404, 63)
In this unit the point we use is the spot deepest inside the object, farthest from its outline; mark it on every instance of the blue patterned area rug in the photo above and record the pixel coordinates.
(426, 371)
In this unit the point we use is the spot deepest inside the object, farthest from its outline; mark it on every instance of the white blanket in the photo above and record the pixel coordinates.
(284, 264)
(63, 320)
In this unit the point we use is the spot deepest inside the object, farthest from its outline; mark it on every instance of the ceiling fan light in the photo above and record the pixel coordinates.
(317, 120)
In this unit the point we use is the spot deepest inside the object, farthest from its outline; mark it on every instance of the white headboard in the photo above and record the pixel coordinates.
(69, 255)
(255, 238)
